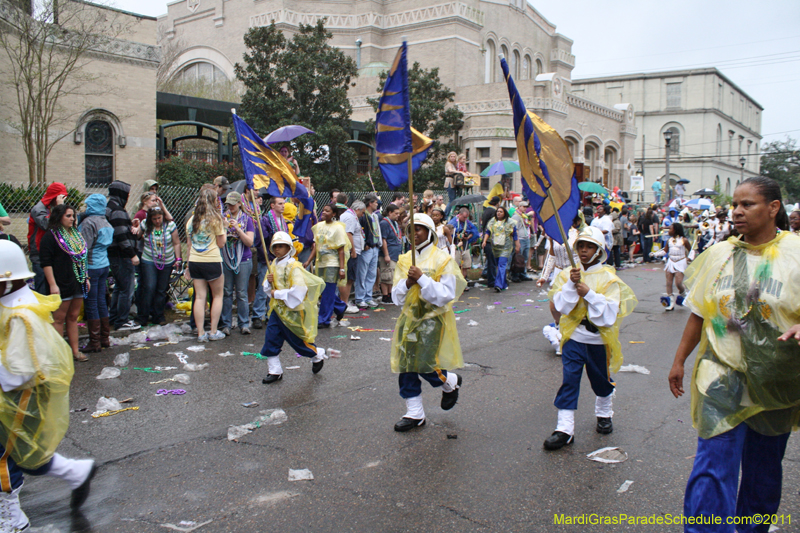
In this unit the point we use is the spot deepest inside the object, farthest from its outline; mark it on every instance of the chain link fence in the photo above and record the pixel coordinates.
(18, 198)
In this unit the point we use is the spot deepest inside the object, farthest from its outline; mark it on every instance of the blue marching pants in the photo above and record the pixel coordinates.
(277, 333)
(500, 281)
(713, 483)
(11, 473)
(574, 356)
(411, 386)
(330, 303)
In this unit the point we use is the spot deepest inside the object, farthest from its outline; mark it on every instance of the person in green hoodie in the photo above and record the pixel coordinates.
(99, 235)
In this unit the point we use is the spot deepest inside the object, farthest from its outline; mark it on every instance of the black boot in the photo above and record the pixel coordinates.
(558, 440)
(316, 367)
(407, 424)
(272, 378)
(449, 399)
(604, 425)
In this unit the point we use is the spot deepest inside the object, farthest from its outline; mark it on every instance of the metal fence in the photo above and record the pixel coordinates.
(18, 198)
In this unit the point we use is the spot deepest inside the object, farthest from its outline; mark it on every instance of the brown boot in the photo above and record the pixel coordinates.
(93, 346)
(105, 331)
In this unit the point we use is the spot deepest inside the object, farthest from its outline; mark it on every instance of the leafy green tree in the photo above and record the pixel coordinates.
(780, 160)
(301, 81)
(432, 115)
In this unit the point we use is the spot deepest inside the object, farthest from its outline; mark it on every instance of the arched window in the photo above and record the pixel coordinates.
(201, 70)
(504, 51)
(491, 53)
(99, 152)
(539, 67)
(515, 64)
(728, 188)
(674, 142)
(716, 184)
(526, 67)
(719, 140)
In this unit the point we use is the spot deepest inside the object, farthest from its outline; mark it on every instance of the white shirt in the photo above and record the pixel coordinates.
(23, 296)
(353, 227)
(607, 226)
(293, 296)
(438, 293)
(601, 311)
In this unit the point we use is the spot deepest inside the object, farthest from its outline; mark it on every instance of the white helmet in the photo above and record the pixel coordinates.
(421, 219)
(596, 237)
(13, 264)
(281, 237)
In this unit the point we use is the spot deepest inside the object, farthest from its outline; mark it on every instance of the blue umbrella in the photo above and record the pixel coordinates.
(503, 167)
(699, 203)
(286, 133)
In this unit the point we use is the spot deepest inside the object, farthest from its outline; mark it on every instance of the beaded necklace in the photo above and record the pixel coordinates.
(234, 248)
(158, 248)
(72, 243)
(277, 222)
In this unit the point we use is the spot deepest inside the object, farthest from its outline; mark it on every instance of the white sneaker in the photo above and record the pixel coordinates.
(352, 310)
(362, 305)
(12, 517)
(130, 325)
(372, 303)
(218, 336)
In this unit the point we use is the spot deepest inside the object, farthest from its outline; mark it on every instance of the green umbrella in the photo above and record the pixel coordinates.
(502, 167)
(590, 186)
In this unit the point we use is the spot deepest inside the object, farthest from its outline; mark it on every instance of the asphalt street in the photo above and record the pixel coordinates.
(478, 467)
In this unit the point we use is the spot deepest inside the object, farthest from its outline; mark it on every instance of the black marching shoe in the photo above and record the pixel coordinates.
(558, 440)
(257, 323)
(272, 378)
(316, 367)
(604, 425)
(407, 424)
(324, 326)
(80, 494)
(449, 399)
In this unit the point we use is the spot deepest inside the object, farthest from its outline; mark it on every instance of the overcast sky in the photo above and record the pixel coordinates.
(755, 44)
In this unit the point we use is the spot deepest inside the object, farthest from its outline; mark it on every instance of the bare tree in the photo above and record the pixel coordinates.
(43, 58)
(171, 50)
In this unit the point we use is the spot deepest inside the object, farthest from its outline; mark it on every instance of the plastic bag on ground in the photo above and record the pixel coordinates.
(107, 404)
(608, 455)
(138, 337)
(272, 417)
(300, 475)
(122, 359)
(194, 367)
(472, 323)
(634, 368)
(109, 372)
(236, 432)
(182, 378)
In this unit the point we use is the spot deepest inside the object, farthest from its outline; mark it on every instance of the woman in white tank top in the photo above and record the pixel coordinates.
(676, 250)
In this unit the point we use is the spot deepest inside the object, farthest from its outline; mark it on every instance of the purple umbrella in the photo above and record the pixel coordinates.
(286, 133)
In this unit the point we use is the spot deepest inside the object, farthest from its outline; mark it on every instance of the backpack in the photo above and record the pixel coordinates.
(518, 264)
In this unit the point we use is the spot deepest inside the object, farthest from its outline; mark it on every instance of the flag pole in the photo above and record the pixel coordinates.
(411, 201)
(561, 229)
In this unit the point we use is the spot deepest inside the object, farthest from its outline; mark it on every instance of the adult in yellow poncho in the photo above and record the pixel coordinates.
(35, 374)
(332, 248)
(425, 342)
(292, 316)
(592, 301)
(744, 295)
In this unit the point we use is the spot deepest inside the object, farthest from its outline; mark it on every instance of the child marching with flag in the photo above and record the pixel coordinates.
(294, 293)
(592, 301)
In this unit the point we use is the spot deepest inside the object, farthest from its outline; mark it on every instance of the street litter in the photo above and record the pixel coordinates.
(250, 404)
(530, 301)
(625, 486)
(254, 354)
(608, 455)
(163, 343)
(162, 368)
(182, 357)
(339, 337)
(489, 307)
(194, 367)
(354, 338)
(635, 342)
(226, 354)
(461, 311)
(514, 311)
(634, 368)
(178, 378)
(79, 410)
(472, 323)
(334, 353)
(175, 392)
(186, 526)
(269, 417)
(109, 372)
(300, 475)
(140, 347)
(196, 348)
(111, 413)
(122, 359)
(147, 369)
(498, 303)
(385, 339)
(292, 367)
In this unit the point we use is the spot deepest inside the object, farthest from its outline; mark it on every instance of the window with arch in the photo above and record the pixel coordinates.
(504, 51)
(728, 188)
(491, 53)
(99, 152)
(526, 67)
(515, 64)
(201, 70)
(719, 140)
(539, 67)
(675, 141)
(717, 185)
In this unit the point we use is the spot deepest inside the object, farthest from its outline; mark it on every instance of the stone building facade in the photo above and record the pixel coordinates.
(109, 124)
(461, 38)
(715, 125)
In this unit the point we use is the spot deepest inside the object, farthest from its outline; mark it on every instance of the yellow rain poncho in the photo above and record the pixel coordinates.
(602, 281)
(747, 296)
(289, 214)
(34, 417)
(502, 237)
(329, 238)
(425, 337)
(301, 320)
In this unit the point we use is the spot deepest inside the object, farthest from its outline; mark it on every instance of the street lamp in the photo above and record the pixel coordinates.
(667, 138)
(742, 161)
